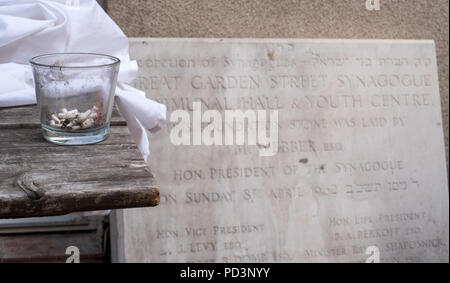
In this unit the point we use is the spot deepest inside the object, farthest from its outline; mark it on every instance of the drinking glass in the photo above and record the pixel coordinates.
(75, 96)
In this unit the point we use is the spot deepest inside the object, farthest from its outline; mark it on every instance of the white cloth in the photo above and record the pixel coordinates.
(33, 27)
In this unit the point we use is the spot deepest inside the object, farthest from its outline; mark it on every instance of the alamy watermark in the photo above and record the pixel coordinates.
(373, 5)
(73, 4)
(74, 254)
(228, 130)
(374, 254)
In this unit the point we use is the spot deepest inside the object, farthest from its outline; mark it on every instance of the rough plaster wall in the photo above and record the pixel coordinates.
(402, 19)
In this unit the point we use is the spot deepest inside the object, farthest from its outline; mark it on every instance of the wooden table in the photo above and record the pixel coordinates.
(38, 178)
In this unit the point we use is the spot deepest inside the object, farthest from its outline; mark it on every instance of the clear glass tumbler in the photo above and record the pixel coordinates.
(75, 95)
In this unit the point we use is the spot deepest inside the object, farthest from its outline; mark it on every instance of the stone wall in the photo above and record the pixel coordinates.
(398, 19)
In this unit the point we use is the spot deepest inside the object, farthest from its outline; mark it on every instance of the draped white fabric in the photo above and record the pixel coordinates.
(33, 27)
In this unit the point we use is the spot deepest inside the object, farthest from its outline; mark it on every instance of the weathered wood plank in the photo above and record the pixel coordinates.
(51, 224)
(29, 138)
(50, 247)
(28, 117)
(38, 178)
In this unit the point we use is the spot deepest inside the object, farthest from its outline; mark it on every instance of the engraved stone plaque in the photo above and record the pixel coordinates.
(358, 173)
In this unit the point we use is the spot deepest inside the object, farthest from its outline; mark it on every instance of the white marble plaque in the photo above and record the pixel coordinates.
(359, 172)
